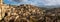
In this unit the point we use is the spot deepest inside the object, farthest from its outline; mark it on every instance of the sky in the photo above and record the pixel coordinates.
(33, 2)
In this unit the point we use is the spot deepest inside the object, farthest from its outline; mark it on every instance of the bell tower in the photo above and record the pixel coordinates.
(2, 9)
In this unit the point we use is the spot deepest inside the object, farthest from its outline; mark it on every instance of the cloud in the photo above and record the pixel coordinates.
(34, 2)
(52, 2)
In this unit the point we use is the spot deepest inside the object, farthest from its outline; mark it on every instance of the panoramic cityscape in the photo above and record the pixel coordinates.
(29, 10)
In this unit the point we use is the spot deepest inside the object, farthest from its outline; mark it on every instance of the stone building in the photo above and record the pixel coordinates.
(3, 8)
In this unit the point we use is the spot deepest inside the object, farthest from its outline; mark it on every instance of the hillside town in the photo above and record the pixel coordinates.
(28, 13)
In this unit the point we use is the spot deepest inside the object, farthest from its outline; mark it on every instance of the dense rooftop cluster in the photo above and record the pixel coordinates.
(25, 12)
(30, 13)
